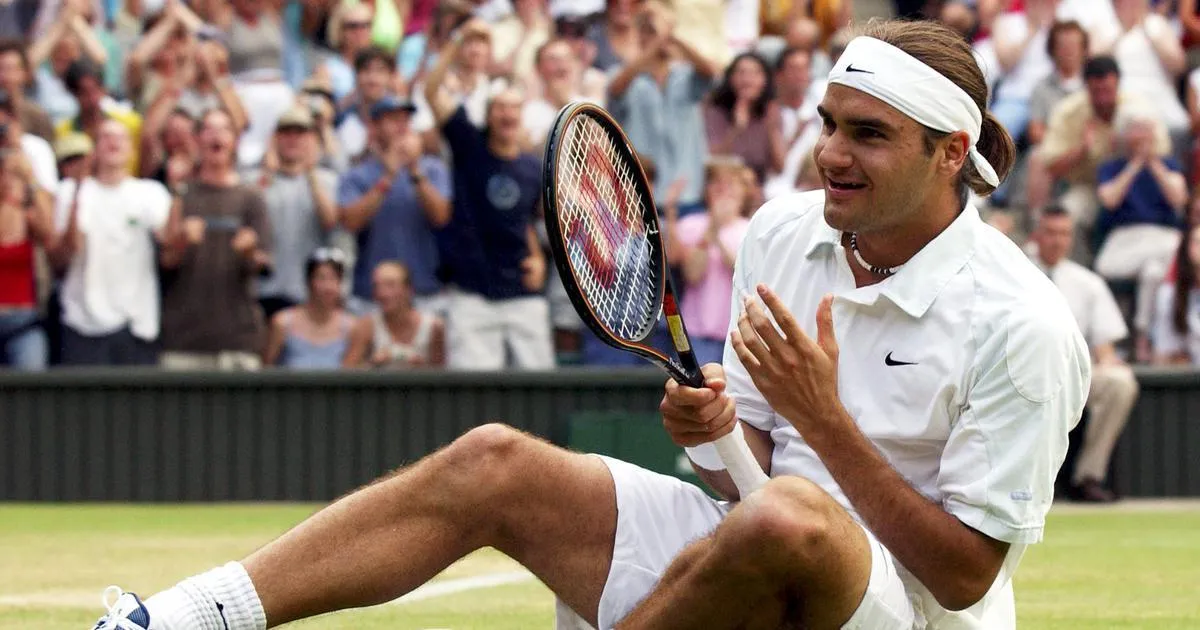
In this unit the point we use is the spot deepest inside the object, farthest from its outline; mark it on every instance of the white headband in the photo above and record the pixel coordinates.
(920, 92)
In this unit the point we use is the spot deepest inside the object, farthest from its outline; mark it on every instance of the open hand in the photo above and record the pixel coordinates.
(796, 375)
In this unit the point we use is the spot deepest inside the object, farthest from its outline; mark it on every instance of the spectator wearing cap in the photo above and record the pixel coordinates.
(1143, 194)
(1079, 137)
(657, 99)
(16, 79)
(300, 204)
(393, 201)
(73, 154)
(37, 152)
(211, 318)
(95, 105)
(489, 248)
(316, 96)
(374, 76)
(1114, 388)
(314, 335)
(108, 226)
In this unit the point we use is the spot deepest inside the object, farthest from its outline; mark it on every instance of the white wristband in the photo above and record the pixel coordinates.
(705, 456)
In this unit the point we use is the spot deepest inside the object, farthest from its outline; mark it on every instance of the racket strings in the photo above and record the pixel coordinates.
(601, 214)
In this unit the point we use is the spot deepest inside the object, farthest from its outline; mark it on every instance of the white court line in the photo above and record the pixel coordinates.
(450, 587)
(441, 588)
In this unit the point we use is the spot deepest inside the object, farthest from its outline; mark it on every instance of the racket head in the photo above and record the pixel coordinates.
(602, 226)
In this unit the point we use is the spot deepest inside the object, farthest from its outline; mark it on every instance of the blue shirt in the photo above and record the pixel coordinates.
(399, 229)
(1144, 203)
(667, 124)
(495, 201)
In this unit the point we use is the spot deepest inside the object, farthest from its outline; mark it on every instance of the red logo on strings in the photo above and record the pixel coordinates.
(601, 229)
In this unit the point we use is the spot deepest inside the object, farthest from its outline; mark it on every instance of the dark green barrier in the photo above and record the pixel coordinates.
(160, 436)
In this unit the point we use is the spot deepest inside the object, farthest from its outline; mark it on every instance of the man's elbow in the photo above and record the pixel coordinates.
(964, 591)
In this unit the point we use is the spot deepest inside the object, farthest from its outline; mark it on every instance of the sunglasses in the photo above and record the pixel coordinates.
(329, 255)
(356, 24)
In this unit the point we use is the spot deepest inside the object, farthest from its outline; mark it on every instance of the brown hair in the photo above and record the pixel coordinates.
(1065, 27)
(950, 55)
(1185, 280)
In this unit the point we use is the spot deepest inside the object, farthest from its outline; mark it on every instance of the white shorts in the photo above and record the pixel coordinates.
(657, 516)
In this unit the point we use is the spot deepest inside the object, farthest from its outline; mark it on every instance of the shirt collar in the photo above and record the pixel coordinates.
(919, 281)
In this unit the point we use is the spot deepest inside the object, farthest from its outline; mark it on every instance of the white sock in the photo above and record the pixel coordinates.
(221, 599)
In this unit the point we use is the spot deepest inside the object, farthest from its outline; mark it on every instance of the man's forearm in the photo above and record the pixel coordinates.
(956, 563)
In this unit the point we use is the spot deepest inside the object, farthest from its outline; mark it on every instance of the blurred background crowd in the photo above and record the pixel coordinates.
(232, 184)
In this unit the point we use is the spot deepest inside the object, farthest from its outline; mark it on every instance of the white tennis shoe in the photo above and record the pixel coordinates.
(125, 613)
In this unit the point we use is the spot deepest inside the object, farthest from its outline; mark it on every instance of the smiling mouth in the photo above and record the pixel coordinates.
(842, 185)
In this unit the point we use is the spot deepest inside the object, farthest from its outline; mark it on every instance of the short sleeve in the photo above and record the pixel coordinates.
(1166, 340)
(257, 218)
(63, 198)
(1002, 455)
(1108, 324)
(156, 203)
(439, 176)
(1057, 141)
(752, 408)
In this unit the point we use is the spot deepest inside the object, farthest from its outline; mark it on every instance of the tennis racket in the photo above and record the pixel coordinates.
(603, 231)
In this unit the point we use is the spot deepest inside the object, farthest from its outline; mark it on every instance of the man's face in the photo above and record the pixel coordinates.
(391, 126)
(504, 115)
(217, 137)
(113, 147)
(1069, 51)
(557, 62)
(1054, 237)
(293, 143)
(475, 54)
(12, 72)
(1139, 138)
(374, 80)
(356, 27)
(795, 72)
(873, 163)
(1102, 93)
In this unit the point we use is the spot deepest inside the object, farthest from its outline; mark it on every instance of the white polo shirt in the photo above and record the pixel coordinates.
(965, 369)
(112, 281)
(1090, 300)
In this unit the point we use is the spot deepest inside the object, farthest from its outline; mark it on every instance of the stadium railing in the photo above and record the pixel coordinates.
(133, 435)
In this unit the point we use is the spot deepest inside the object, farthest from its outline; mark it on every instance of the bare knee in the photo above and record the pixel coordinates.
(786, 525)
(483, 462)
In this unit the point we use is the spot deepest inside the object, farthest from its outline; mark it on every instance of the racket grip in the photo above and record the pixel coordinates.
(747, 475)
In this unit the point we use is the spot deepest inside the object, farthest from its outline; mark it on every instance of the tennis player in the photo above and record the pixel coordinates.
(903, 372)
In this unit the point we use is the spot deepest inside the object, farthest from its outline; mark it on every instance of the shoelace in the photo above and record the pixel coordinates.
(114, 620)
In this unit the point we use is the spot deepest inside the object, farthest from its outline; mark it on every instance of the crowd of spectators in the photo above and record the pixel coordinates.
(228, 184)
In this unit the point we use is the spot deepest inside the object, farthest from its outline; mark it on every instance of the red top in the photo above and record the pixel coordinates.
(17, 275)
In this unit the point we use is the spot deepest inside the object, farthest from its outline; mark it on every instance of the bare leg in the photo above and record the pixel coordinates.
(788, 544)
(551, 510)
